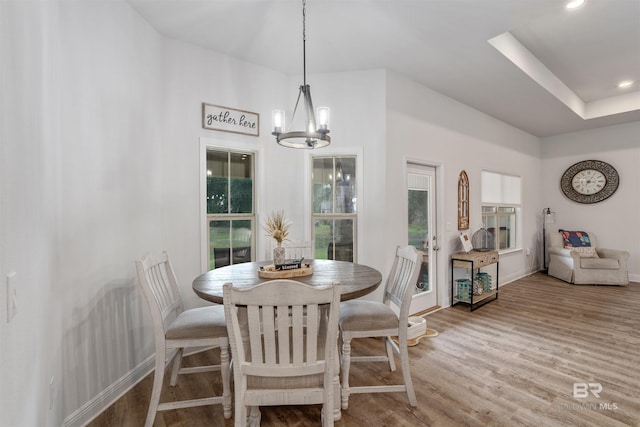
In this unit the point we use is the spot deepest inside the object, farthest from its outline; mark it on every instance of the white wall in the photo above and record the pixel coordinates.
(425, 126)
(614, 220)
(111, 192)
(100, 155)
(29, 189)
(81, 194)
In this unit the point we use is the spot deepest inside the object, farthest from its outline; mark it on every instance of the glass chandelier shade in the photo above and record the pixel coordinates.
(316, 132)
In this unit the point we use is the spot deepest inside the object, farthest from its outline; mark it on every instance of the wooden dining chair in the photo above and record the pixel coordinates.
(283, 336)
(363, 319)
(176, 329)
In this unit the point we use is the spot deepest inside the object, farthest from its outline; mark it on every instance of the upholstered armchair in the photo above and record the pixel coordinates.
(587, 265)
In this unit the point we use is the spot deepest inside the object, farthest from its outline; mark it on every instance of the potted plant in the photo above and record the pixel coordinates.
(277, 227)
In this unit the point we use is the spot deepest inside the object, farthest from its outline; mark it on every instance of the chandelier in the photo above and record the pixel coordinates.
(316, 134)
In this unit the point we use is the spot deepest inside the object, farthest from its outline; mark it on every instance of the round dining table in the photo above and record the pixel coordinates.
(355, 280)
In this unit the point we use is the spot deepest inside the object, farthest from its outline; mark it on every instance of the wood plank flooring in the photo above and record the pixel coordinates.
(512, 362)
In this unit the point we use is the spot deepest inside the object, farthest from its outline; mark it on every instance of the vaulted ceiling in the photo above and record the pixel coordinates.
(533, 64)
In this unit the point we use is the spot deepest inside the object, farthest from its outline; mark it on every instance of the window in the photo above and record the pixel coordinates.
(230, 207)
(334, 208)
(501, 199)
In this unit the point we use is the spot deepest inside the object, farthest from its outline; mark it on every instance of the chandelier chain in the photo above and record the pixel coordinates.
(304, 42)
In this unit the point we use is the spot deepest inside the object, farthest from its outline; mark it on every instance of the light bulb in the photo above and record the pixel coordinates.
(277, 120)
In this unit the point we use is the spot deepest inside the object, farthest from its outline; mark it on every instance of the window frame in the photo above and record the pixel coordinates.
(207, 144)
(517, 214)
(356, 153)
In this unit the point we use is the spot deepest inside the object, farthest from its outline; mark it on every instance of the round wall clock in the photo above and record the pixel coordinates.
(589, 181)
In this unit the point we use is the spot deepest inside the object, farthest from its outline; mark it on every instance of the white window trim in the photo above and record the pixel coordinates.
(519, 209)
(356, 152)
(207, 143)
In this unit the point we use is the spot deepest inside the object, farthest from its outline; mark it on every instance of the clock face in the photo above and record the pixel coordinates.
(589, 181)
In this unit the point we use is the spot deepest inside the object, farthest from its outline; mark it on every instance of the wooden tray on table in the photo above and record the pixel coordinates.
(270, 272)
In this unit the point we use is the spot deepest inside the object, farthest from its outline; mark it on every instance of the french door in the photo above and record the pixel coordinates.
(421, 198)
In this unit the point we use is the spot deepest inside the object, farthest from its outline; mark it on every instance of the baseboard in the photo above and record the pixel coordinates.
(634, 278)
(107, 397)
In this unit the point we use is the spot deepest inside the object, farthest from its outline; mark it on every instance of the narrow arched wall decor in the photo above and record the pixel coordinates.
(463, 201)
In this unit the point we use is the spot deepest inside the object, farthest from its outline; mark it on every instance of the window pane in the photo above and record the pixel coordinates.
(217, 182)
(323, 185)
(241, 242)
(334, 239)
(488, 210)
(418, 217)
(345, 187)
(489, 222)
(219, 245)
(241, 174)
(342, 247)
(323, 230)
(507, 228)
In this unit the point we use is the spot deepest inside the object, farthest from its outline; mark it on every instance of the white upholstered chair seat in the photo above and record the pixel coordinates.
(200, 322)
(362, 315)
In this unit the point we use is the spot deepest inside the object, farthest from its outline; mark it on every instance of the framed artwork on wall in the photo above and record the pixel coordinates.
(463, 201)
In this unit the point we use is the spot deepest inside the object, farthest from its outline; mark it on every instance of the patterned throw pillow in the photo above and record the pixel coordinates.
(586, 252)
(575, 239)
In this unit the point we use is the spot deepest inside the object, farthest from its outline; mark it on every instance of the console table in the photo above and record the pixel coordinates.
(474, 261)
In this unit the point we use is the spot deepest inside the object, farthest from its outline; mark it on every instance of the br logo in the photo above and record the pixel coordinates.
(582, 390)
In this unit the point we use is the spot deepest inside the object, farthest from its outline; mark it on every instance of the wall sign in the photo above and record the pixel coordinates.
(225, 119)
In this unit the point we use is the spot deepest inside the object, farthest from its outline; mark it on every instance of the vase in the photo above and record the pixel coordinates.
(278, 255)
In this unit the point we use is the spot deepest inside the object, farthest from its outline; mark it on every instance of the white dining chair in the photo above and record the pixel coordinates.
(283, 337)
(364, 319)
(176, 329)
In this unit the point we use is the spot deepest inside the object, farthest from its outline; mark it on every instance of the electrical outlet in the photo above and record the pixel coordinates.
(12, 296)
(528, 251)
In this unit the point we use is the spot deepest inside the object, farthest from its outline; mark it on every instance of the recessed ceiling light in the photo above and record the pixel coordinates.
(574, 3)
(625, 84)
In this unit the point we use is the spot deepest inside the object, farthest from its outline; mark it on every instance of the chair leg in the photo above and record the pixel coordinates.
(254, 416)
(225, 371)
(175, 369)
(327, 408)
(406, 373)
(158, 377)
(240, 410)
(389, 347)
(344, 367)
(240, 416)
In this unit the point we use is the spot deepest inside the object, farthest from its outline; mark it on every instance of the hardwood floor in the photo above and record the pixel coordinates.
(513, 362)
